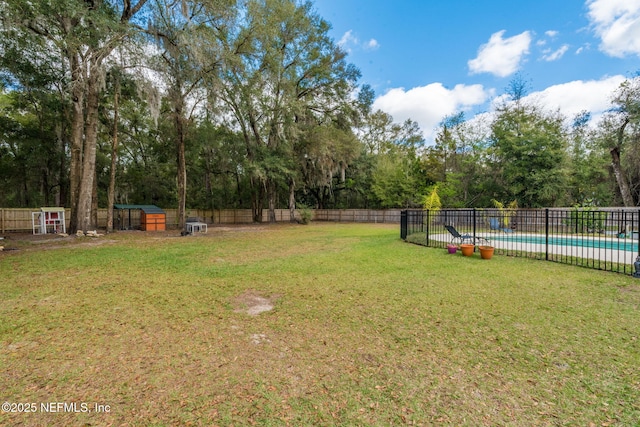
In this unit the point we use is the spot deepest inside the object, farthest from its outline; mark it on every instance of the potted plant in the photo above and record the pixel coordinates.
(452, 248)
(467, 249)
(486, 252)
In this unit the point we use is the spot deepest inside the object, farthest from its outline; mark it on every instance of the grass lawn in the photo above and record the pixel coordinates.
(365, 330)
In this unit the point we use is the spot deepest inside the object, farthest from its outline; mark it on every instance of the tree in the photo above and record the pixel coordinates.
(448, 142)
(621, 129)
(431, 201)
(283, 72)
(397, 176)
(118, 124)
(187, 37)
(589, 179)
(530, 149)
(459, 162)
(31, 146)
(324, 152)
(82, 34)
(35, 112)
(216, 163)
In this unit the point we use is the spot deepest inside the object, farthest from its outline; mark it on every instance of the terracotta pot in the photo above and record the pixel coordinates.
(486, 252)
(467, 249)
(452, 249)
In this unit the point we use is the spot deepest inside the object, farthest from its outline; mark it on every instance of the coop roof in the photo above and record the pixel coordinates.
(149, 209)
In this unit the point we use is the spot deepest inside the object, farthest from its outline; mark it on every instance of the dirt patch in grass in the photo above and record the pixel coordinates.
(253, 303)
(38, 243)
(236, 229)
(29, 241)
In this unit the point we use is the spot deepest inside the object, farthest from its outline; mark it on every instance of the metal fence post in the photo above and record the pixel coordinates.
(474, 224)
(427, 225)
(546, 234)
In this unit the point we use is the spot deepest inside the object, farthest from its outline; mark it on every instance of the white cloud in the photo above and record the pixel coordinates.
(551, 33)
(350, 41)
(428, 105)
(347, 40)
(372, 44)
(573, 97)
(499, 56)
(554, 56)
(583, 48)
(617, 23)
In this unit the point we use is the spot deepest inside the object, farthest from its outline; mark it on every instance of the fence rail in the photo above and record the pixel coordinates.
(603, 239)
(19, 220)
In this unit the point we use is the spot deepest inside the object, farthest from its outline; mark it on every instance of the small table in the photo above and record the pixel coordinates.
(196, 227)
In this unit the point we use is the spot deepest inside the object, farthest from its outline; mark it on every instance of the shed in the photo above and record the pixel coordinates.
(144, 217)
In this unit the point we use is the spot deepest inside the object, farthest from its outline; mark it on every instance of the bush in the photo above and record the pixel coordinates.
(305, 214)
(583, 219)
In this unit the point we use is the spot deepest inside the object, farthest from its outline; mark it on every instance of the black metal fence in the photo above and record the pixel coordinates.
(603, 239)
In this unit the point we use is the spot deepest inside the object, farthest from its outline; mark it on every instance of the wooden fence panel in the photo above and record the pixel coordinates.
(19, 220)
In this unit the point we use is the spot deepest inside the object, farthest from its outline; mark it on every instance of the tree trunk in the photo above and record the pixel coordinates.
(257, 194)
(209, 183)
(272, 201)
(77, 133)
(44, 187)
(61, 196)
(94, 202)
(182, 167)
(25, 185)
(317, 194)
(623, 185)
(85, 194)
(292, 200)
(238, 189)
(114, 161)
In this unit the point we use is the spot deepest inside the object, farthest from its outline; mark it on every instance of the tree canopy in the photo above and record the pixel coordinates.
(224, 104)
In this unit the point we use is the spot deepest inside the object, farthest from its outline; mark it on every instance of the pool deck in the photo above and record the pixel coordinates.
(517, 244)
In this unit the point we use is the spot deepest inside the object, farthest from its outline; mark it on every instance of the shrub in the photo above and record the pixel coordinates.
(305, 214)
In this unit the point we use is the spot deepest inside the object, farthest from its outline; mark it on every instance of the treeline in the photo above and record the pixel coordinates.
(529, 156)
(218, 104)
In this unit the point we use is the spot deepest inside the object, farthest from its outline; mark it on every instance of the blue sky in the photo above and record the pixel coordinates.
(426, 59)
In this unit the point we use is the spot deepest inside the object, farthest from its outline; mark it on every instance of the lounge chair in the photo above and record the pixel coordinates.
(494, 224)
(464, 238)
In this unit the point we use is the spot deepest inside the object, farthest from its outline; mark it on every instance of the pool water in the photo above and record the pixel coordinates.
(618, 245)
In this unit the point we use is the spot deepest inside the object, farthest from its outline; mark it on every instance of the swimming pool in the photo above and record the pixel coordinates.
(587, 242)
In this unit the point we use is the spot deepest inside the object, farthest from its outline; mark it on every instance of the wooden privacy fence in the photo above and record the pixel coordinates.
(19, 219)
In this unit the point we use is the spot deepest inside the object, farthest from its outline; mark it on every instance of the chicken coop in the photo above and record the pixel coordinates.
(139, 217)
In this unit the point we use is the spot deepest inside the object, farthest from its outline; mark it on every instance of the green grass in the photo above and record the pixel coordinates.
(366, 330)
